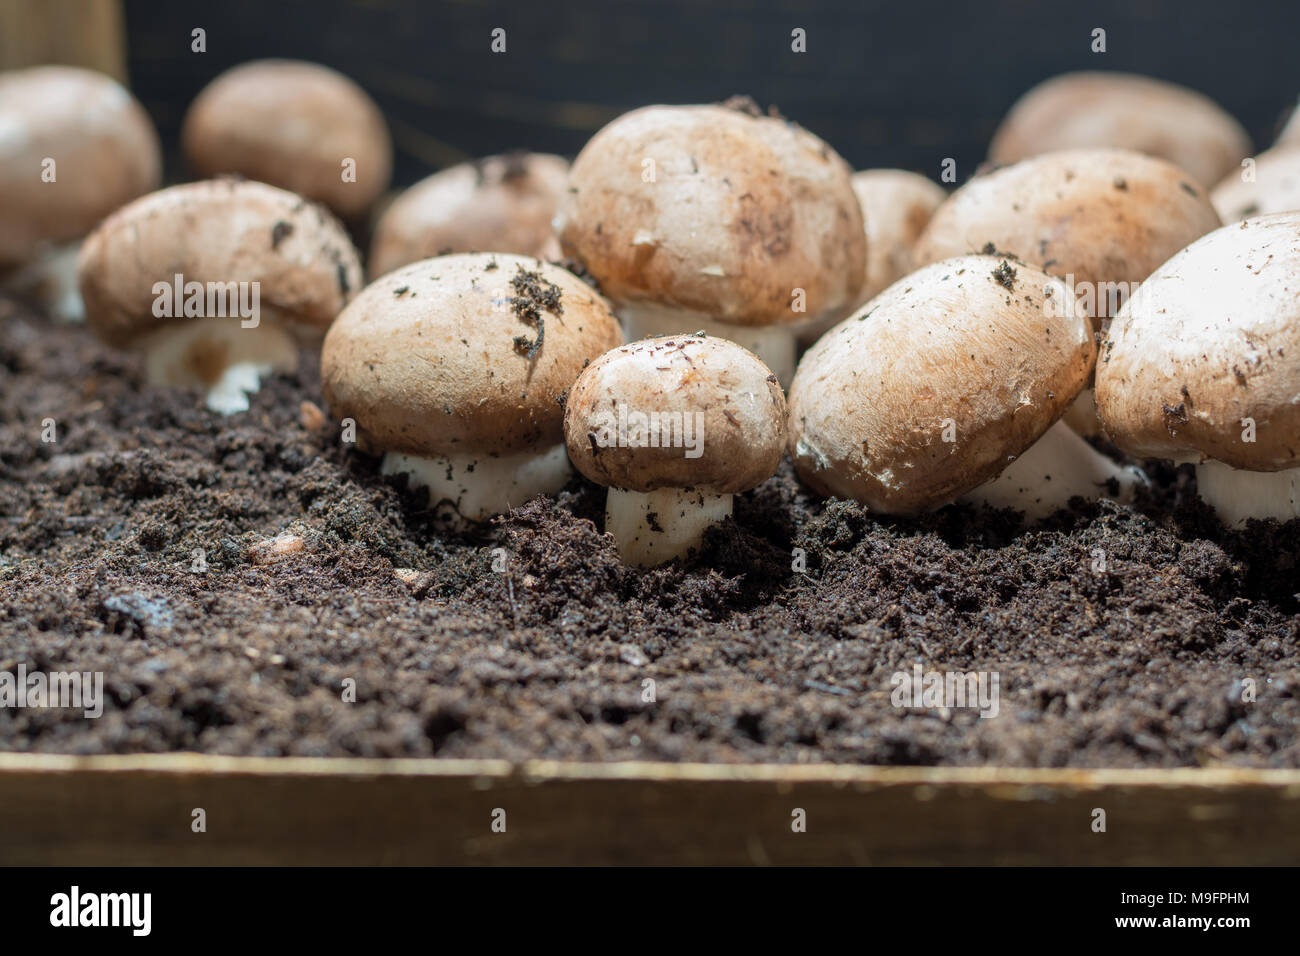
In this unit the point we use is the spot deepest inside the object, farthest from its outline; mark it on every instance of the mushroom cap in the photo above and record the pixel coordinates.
(431, 359)
(105, 149)
(723, 392)
(1091, 109)
(1101, 215)
(224, 231)
(896, 205)
(1276, 187)
(291, 124)
(498, 204)
(970, 343)
(743, 210)
(1213, 337)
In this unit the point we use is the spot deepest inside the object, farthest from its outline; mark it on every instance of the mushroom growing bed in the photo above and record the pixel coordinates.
(1122, 636)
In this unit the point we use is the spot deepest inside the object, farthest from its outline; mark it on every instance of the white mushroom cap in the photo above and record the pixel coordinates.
(1209, 341)
(716, 211)
(936, 385)
(291, 124)
(1272, 185)
(498, 204)
(103, 145)
(1095, 109)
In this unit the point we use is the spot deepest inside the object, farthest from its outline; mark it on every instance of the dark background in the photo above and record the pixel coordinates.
(887, 83)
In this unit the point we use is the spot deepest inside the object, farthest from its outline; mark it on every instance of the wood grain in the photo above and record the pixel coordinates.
(86, 33)
(137, 810)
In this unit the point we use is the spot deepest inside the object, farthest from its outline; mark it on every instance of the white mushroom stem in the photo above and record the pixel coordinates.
(773, 344)
(650, 528)
(1054, 469)
(480, 486)
(1082, 414)
(221, 356)
(1240, 495)
(51, 281)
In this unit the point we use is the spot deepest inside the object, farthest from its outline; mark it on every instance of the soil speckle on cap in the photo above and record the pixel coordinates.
(1005, 276)
(533, 296)
(124, 549)
(279, 232)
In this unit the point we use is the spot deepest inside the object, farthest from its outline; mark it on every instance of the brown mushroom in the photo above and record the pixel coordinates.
(498, 204)
(1101, 219)
(74, 146)
(1094, 109)
(896, 205)
(300, 126)
(218, 282)
(716, 218)
(456, 370)
(674, 427)
(950, 383)
(1203, 365)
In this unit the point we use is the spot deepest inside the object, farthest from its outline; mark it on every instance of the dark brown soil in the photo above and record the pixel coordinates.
(1142, 664)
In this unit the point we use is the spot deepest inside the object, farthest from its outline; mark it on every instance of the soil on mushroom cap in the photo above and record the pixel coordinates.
(1139, 664)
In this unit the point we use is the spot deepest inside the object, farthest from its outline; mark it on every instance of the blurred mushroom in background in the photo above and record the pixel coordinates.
(74, 146)
(1127, 111)
(497, 204)
(896, 205)
(300, 126)
(1270, 184)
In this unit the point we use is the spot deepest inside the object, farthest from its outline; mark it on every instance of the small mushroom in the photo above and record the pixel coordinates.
(716, 218)
(300, 126)
(674, 427)
(456, 370)
(74, 146)
(218, 283)
(941, 386)
(498, 204)
(1094, 109)
(896, 205)
(1203, 365)
(1100, 218)
(1272, 185)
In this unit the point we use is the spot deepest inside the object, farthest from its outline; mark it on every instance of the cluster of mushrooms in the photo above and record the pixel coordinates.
(639, 315)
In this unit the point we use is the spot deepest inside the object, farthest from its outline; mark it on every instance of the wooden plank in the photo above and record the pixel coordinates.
(86, 33)
(138, 810)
